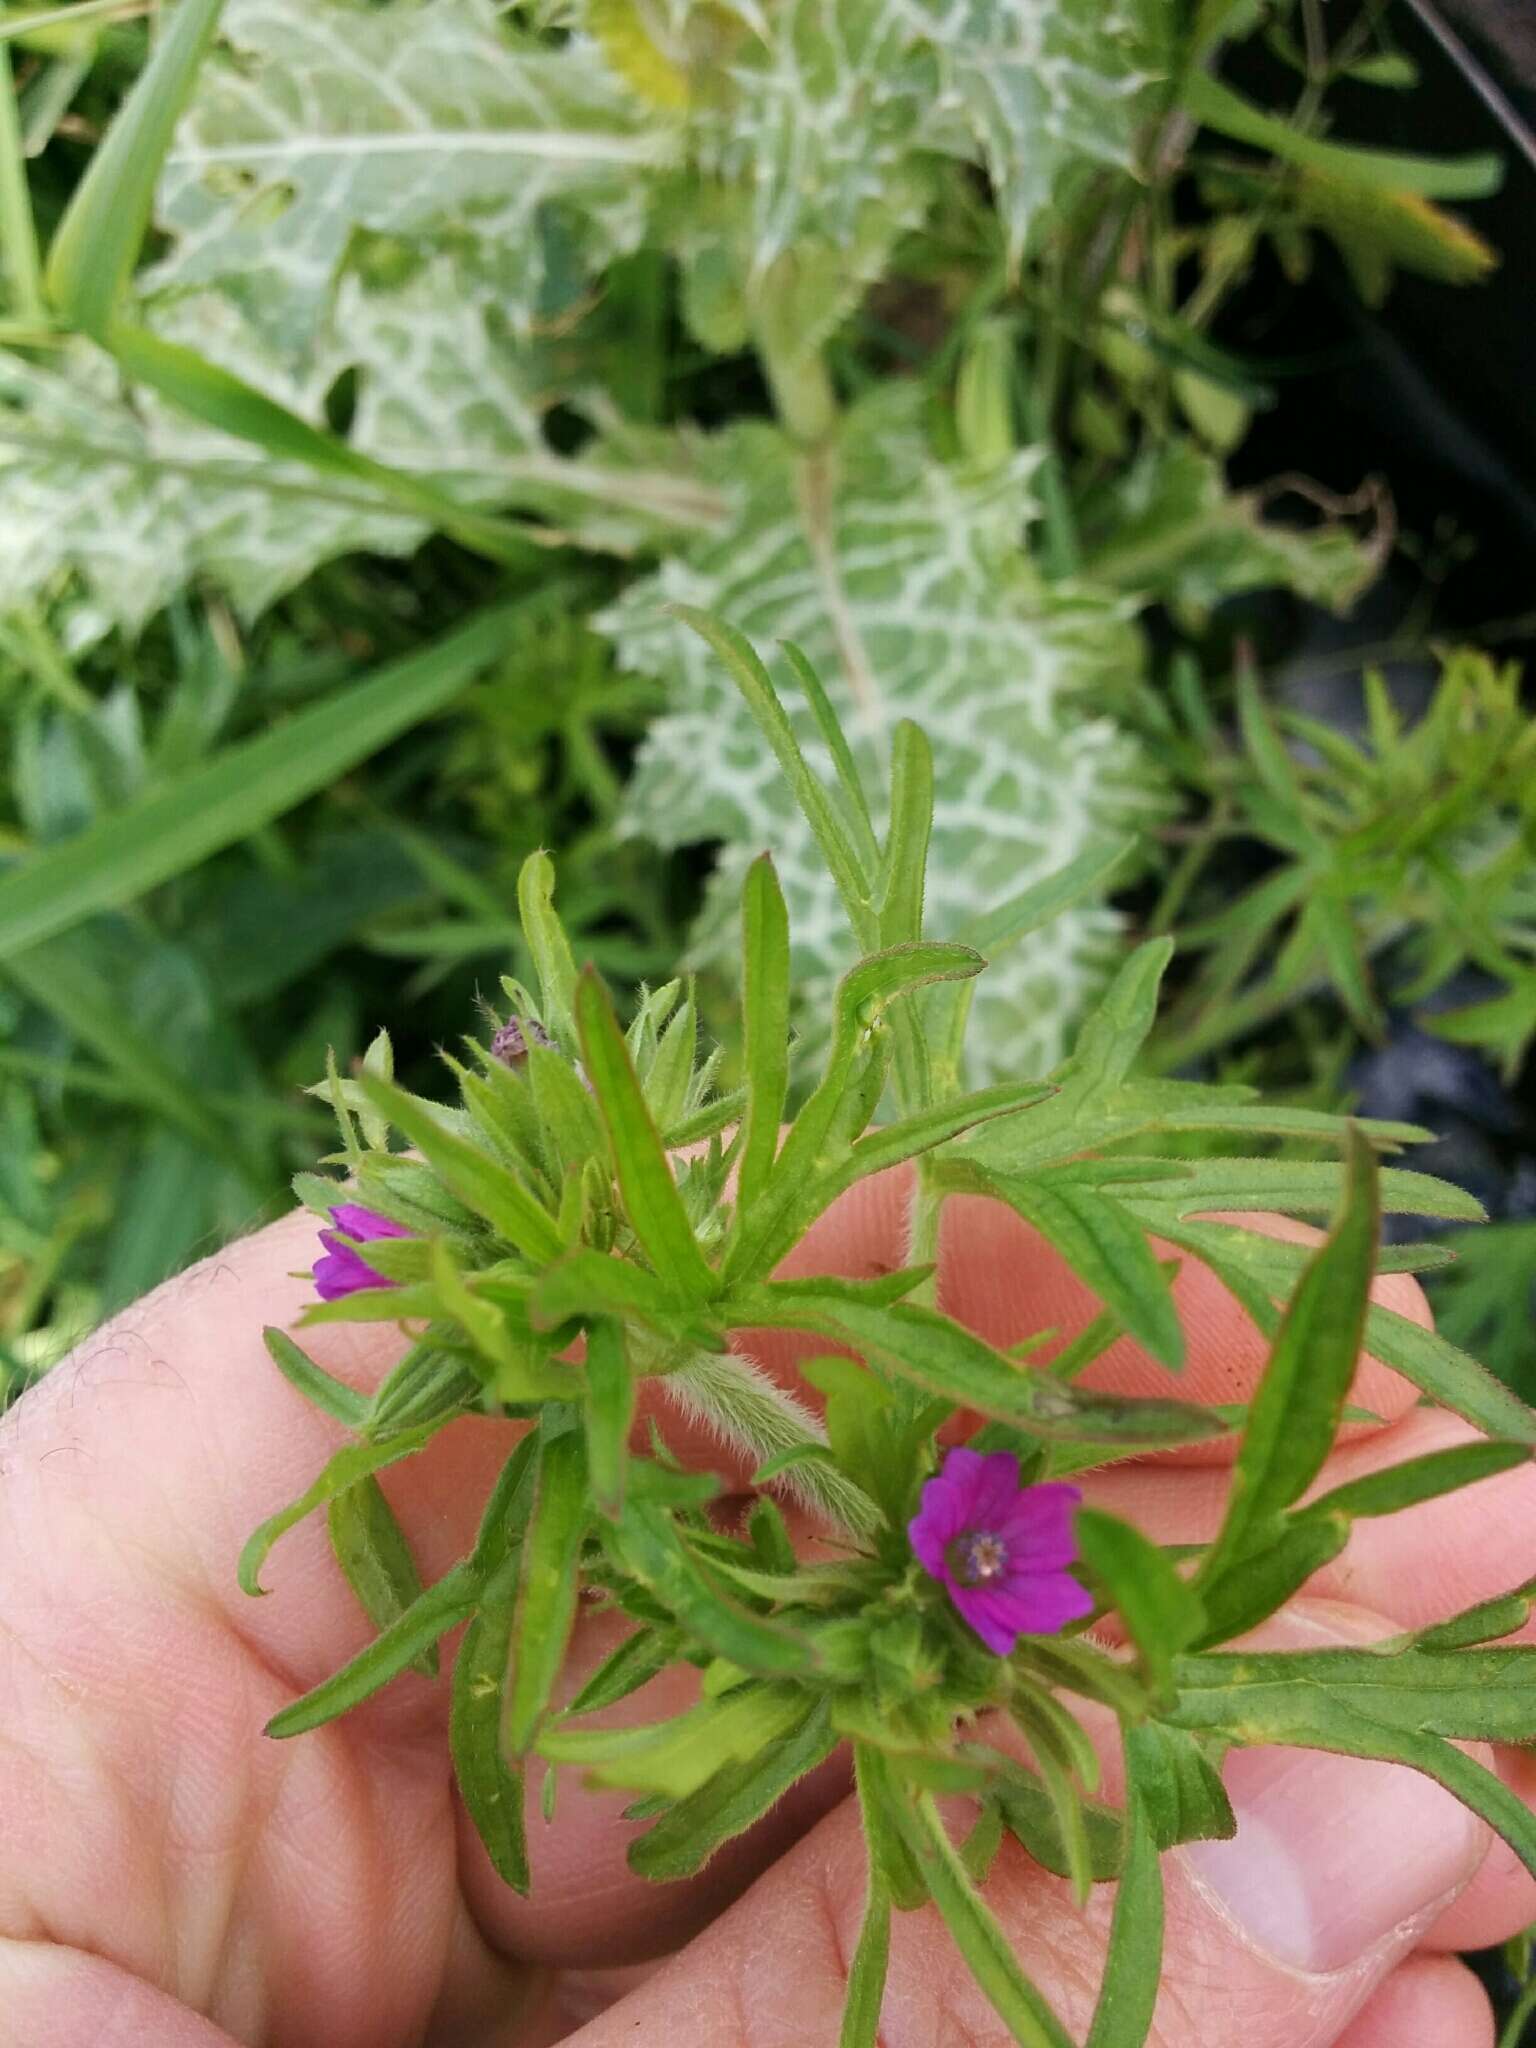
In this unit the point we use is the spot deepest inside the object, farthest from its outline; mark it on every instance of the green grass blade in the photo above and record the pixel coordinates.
(1460, 177)
(227, 402)
(97, 243)
(195, 815)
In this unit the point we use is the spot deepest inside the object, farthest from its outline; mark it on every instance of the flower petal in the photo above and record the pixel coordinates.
(1043, 1603)
(990, 1611)
(354, 1221)
(940, 1518)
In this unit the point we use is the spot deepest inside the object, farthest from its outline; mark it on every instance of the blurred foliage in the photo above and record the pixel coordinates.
(1403, 853)
(898, 339)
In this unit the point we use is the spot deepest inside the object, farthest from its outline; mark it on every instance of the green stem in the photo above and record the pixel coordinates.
(1514, 2026)
(18, 230)
(37, 20)
(923, 1220)
(37, 649)
(802, 391)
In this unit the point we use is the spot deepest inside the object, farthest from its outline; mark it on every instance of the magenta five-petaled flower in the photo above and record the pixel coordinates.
(344, 1270)
(999, 1549)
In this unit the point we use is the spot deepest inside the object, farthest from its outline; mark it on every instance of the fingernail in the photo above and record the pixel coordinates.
(1333, 1854)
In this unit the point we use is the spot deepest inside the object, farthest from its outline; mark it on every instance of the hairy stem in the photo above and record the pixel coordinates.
(754, 1415)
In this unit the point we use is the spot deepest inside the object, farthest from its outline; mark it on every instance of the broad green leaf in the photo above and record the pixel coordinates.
(184, 821)
(1294, 1416)
(372, 1550)
(765, 994)
(231, 405)
(610, 1412)
(344, 1470)
(868, 563)
(1122, 2017)
(1162, 1614)
(439, 1609)
(741, 1792)
(96, 244)
(489, 1189)
(655, 1208)
(1046, 87)
(313, 1382)
(547, 1586)
(1175, 531)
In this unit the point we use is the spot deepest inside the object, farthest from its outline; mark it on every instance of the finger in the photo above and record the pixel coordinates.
(1277, 1938)
(1428, 2002)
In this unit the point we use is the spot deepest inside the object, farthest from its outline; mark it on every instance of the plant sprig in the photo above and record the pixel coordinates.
(552, 1252)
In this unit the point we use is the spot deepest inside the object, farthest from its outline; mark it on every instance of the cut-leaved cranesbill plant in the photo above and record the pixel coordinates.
(596, 1211)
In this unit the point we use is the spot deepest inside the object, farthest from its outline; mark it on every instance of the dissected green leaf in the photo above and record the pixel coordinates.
(1295, 1413)
(547, 1586)
(372, 1550)
(439, 1609)
(689, 1833)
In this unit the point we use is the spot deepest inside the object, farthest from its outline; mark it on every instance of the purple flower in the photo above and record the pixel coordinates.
(999, 1549)
(344, 1270)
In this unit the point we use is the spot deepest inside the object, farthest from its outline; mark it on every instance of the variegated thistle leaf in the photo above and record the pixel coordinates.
(905, 582)
(320, 118)
(122, 500)
(1043, 88)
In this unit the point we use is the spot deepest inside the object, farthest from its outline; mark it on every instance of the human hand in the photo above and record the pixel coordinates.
(169, 1876)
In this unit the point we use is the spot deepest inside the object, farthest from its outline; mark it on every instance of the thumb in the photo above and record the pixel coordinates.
(1276, 1938)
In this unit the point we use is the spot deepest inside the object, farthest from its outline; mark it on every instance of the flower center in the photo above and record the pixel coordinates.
(977, 1558)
